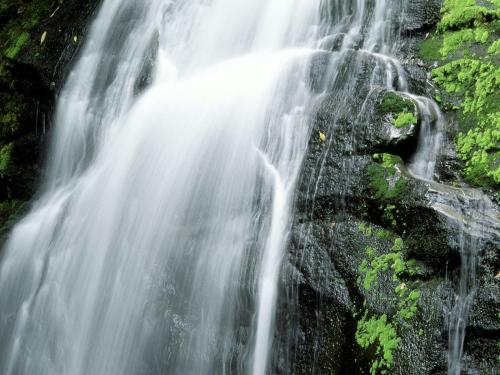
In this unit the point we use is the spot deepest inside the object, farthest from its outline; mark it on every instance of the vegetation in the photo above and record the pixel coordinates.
(386, 182)
(380, 333)
(404, 119)
(5, 158)
(468, 45)
(17, 31)
(395, 103)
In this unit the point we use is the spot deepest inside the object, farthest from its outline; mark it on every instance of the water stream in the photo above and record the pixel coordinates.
(156, 245)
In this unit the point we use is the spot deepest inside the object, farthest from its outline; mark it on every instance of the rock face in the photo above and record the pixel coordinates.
(38, 40)
(355, 198)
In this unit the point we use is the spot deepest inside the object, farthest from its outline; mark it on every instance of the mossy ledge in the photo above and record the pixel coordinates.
(465, 47)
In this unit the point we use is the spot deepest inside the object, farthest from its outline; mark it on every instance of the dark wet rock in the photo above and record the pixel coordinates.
(32, 70)
(65, 25)
(421, 15)
(336, 42)
(423, 340)
(346, 180)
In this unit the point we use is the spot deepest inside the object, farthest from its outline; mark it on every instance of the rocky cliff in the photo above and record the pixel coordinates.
(378, 258)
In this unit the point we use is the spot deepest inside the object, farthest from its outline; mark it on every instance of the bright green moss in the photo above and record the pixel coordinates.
(386, 182)
(462, 40)
(459, 14)
(479, 149)
(404, 119)
(380, 334)
(375, 264)
(472, 80)
(494, 48)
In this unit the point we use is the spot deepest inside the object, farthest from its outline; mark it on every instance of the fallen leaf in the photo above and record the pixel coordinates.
(44, 36)
(322, 136)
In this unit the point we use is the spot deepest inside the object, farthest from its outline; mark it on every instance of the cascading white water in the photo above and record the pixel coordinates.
(157, 243)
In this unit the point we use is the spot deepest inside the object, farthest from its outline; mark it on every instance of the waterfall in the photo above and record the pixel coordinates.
(157, 242)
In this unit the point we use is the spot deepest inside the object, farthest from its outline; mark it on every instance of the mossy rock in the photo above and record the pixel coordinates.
(429, 49)
(394, 103)
(18, 26)
(386, 181)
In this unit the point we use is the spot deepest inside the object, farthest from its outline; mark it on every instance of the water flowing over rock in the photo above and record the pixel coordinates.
(218, 175)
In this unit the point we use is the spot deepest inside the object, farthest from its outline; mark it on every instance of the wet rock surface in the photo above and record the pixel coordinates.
(38, 40)
(338, 193)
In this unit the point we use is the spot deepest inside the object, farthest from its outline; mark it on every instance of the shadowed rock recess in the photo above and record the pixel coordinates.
(375, 262)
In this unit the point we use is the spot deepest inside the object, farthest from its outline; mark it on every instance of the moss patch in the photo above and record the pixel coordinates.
(404, 119)
(380, 333)
(17, 30)
(394, 103)
(386, 183)
(469, 76)
(429, 49)
(5, 159)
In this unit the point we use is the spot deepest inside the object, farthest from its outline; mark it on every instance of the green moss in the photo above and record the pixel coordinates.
(380, 334)
(394, 103)
(429, 49)
(17, 31)
(479, 149)
(404, 119)
(5, 158)
(392, 262)
(10, 113)
(17, 44)
(494, 48)
(463, 39)
(471, 78)
(386, 183)
(458, 14)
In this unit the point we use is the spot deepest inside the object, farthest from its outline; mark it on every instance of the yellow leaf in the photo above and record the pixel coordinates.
(498, 275)
(75, 39)
(322, 136)
(44, 36)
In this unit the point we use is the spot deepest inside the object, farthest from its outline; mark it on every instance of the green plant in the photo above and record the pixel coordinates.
(5, 158)
(386, 182)
(473, 79)
(380, 334)
(17, 31)
(404, 119)
(395, 103)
